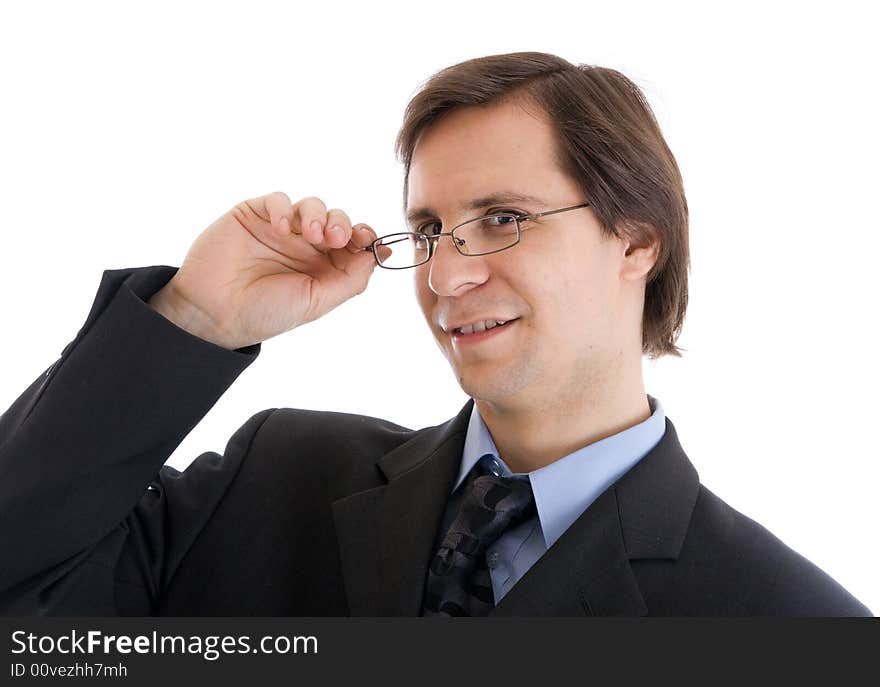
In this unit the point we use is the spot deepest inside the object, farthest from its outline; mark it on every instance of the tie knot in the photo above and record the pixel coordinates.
(490, 504)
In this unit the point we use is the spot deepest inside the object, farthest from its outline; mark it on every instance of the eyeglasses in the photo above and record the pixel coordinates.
(479, 236)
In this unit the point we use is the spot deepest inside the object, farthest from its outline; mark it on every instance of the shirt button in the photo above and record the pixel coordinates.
(492, 560)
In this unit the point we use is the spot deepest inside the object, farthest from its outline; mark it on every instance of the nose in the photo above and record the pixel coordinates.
(450, 273)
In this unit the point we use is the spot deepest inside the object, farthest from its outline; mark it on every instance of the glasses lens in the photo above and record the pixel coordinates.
(487, 234)
(482, 235)
(397, 251)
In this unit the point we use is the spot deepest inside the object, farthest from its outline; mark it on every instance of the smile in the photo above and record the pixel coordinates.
(461, 339)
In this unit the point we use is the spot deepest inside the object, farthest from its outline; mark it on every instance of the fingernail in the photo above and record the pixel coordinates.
(336, 230)
(285, 225)
(316, 226)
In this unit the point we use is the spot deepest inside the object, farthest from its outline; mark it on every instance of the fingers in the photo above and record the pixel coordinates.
(329, 229)
(280, 211)
(324, 229)
(309, 220)
(274, 208)
(337, 231)
(361, 237)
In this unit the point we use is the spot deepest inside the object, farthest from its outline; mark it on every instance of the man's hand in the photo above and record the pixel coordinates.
(266, 267)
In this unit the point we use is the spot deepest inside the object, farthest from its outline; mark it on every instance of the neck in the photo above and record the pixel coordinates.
(532, 434)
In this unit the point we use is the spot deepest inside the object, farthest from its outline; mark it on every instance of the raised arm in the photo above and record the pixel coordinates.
(90, 521)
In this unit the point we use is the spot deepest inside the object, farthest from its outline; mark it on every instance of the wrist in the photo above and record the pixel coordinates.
(168, 302)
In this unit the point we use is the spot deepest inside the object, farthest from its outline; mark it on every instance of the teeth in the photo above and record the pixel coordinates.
(477, 327)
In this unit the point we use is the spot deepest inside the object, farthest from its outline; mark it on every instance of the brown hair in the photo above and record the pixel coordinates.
(608, 141)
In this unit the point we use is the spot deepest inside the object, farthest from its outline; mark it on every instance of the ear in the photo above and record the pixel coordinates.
(640, 243)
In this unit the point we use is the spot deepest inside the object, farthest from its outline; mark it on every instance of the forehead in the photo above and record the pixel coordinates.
(476, 151)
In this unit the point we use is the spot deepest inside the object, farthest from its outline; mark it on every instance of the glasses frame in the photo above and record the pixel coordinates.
(432, 239)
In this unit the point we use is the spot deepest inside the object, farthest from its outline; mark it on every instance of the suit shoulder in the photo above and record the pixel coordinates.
(339, 429)
(336, 450)
(297, 447)
(770, 577)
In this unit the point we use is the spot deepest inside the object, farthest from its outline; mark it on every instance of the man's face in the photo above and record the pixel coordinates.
(561, 283)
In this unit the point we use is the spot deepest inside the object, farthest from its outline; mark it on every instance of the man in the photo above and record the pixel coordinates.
(548, 244)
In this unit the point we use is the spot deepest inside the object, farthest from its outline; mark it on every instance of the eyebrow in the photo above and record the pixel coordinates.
(496, 198)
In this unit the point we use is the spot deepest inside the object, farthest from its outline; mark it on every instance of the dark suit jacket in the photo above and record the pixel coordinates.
(319, 513)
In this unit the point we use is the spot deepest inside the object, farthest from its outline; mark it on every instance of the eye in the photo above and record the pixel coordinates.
(508, 217)
(501, 220)
(507, 211)
(426, 228)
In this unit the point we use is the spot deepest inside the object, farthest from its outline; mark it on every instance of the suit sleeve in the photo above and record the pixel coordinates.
(91, 523)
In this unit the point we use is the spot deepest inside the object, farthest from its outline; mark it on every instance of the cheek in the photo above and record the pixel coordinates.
(573, 299)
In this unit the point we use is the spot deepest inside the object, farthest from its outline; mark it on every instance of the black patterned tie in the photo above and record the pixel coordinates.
(458, 581)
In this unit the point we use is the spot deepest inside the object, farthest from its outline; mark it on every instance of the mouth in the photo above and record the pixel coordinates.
(461, 339)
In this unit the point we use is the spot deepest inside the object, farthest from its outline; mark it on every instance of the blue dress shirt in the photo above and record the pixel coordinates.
(563, 489)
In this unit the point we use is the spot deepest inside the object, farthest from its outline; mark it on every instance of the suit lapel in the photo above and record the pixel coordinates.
(386, 534)
(656, 498)
(587, 571)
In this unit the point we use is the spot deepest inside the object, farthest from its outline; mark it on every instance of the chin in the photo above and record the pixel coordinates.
(492, 385)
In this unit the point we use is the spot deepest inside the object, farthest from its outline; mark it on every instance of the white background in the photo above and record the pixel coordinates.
(127, 129)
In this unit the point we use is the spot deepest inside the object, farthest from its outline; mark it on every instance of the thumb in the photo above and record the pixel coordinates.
(347, 280)
(361, 268)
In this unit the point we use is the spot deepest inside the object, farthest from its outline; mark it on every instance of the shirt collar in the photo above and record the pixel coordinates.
(566, 487)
